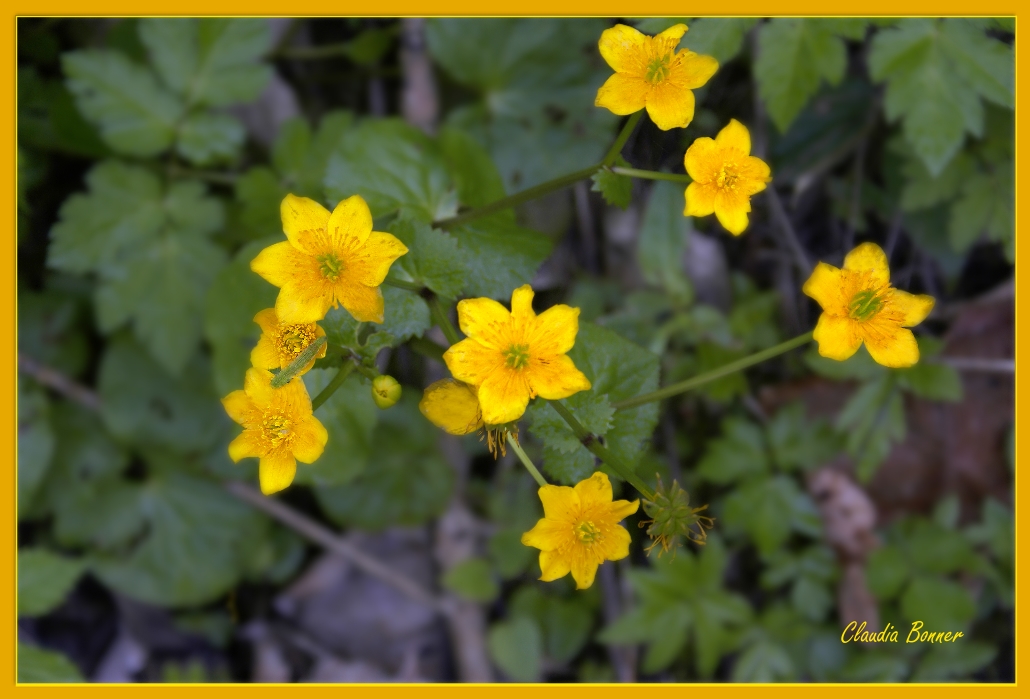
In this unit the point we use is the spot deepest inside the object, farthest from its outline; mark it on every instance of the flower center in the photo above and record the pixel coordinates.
(865, 304)
(330, 266)
(275, 429)
(294, 339)
(657, 69)
(517, 356)
(587, 532)
(727, 178)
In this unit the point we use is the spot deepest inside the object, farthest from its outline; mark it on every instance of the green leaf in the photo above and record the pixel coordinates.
(767, 509)
(209, 61)
(100, 510)
(794, 56)
(499, 255)
(711, 356)
(739, 454)
(663, 241)
(765, 661)
(472, 579)
(996, 530)
(507, 552)
(44, 580)
(39, 665)
(433, 258)
(719, 37)
(516, 648)
(617, 190)
(143, 404)
(392, 165)
(49, 329)
(209, 138)
(887, 571)
(136, 116)
(876, 667)
(923, 190)
(860, 366)
(932, 548)
(198, 543)
(593, 412)
(617, 369)
(410, 483)
(154, 260)
(300, 158)
(235, 296)
(931, 380)
(872, 420)
(36, 443)
(799, 442)
(936, 72)
(954, 661)
(349, 416)
(942, 605)
(471, 168)
(49, 120)
(536, 79)
(986, 205)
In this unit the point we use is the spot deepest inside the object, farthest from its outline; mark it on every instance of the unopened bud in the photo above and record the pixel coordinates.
(385, 391)
(672, 517)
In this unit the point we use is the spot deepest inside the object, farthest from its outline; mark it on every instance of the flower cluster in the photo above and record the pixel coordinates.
(328, 259)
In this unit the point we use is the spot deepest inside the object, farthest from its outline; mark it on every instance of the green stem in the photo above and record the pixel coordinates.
(427, 348)
(436, 310)
(400, 284)
(327, 392)
(620, 141)
(286, 375)
(526, 461)
(651, 175)
(593, 444)
(516, 199)
(725, 370)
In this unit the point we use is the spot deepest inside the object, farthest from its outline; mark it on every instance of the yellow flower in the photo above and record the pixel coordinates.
(859, 305)
(650, 73)
(328, 259)
(725, 177)
(278, 428)
(513, 357)
(580, 529)
(280, 344)
(452, 406)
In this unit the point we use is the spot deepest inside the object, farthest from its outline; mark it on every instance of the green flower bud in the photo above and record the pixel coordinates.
(672, 517)
(385, 391)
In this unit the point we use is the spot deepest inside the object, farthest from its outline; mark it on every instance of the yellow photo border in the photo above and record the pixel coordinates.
(387, 8)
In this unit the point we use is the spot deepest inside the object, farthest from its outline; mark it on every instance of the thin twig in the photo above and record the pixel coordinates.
(990, 366)
(59, 382)
(315, 532)
(790, 235)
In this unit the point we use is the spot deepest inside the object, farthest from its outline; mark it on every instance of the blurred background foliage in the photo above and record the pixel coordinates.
(152, 156)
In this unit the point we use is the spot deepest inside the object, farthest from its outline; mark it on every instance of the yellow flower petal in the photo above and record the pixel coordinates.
(673, 33)
(702, 160)
(554, 378)
(553, 565)
(503, 396)
(471, 362)
(350, 224)
(363, 302)
(548, 535)
(309, 440)
(670, 106)
(277, 264)
(736, 136)
(276, 472)
(301, 215)
(754, 173)
(732, 209)
(616, 544)
(914, 307)
(258, 385)
(265, 355)
(621, 47)
(700, 200)
(824, 285)
(556, 330)
(838, 337)
(453, 406)
(692, 70)
(370, 264)
(583, 572)
(623, 93)
(267, 320)
(246, 445)
(897, 349)
(621, 509)
(298, 304)
(522, 304)
(239, 406)
(560, 502)
(485, 320)
(869, 257)
(594, 491)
